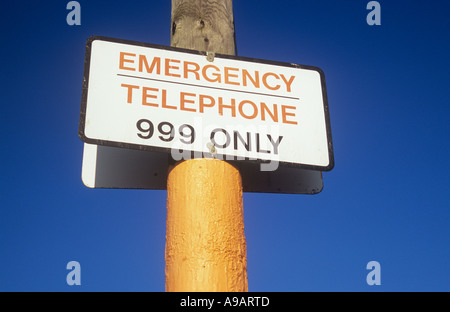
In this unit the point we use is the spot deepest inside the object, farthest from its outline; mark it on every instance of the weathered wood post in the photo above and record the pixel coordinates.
(205, 241)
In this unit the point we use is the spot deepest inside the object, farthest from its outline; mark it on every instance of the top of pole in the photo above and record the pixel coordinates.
(203, 25)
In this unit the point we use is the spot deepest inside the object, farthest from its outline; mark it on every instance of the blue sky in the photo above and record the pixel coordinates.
(386, 199)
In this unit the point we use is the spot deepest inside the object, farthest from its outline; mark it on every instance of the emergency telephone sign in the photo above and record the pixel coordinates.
(155, 98)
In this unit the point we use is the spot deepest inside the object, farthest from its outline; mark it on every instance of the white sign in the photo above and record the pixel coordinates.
(186, 103)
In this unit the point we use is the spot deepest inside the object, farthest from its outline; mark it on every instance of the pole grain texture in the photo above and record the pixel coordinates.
(205, 241)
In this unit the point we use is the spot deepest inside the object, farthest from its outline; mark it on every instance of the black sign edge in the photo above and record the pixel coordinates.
(84, 94)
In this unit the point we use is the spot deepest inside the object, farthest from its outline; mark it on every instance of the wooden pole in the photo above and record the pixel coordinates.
(205, 241)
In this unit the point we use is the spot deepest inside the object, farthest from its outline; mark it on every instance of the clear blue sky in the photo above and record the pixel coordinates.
(387, 199)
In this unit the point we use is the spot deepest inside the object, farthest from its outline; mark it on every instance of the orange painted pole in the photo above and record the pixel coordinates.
(205, 241)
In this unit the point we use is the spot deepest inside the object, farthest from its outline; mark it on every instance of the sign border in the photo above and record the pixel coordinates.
(84, 94)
